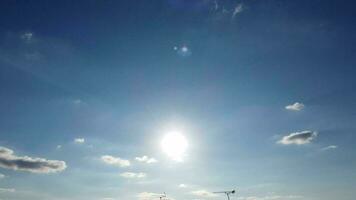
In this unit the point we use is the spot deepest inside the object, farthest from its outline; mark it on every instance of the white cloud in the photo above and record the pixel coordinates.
(3, 190)
(203, 193)
(295, 107)
(331, 147)
(146, 159)
(27, 36)
(77, 101)
(59, 147)
(238, 9)
(271, 197)
(183, 51)
(107, 198)
(298, 138)
(2, 176)
(24, 163)
(148, 196)
(182, 185)
(79, 140)
(133, 175)
(116, 161)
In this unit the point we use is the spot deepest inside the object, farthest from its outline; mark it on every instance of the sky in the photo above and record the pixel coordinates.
(128, 99)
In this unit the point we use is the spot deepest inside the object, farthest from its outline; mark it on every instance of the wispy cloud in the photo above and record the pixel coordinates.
(203, 193)
(182, 185)
(238, 9)
(271, 197)
(330, 147)
(295, 107)
(3, 190)
(116, 161)
(79, 140)
(2, 176)
(24, 163)
(133, 175)
(298, 138)
(183, 51)
(27, 37)
(146, 159)
(148, 196)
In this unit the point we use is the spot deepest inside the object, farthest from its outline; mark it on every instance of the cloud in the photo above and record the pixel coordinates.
(295, 107)
(146, 159)
(133, 175)
(148, 196)
(182, 185)
(24, 163)
(79, 140)
(271, 197)
(3, 190)
(183, 51)
(59, 147)
(27, 37)
(116, 161)
(298, 138)
(238, 9)
(203, 193)
(331, 147)
(2, 176)
(77, 102)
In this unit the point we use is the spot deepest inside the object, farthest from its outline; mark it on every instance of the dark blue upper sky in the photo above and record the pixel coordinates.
(262, 92)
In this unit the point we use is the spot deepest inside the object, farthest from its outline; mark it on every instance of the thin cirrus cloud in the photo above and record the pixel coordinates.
(116, 161)
(238, 9)
(27, 36)
(133, 175)
(182, 185)
(298, 138)
(146, 159)
(330, 147)
(148, 196)
(79, 140)
(203, 193)
(4, 190)
(295, 107)
(272, 197)
(24, 163)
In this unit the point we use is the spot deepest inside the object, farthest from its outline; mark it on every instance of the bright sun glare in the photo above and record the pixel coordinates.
(174, 144)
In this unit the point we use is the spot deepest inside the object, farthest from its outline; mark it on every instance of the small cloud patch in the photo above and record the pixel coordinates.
(203, 193)
(133, 175)
(183, 51)
(295, 107)
(6, 190)
(146, 159)
(330, 147)
(27, 37)
(79, 140)
(298, 138)
(116, 161)
(148, 196)
(238, 9)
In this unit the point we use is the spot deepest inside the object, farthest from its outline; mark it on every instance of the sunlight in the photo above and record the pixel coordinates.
(174, 144)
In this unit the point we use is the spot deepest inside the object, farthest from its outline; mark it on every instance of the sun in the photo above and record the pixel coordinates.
(174, 144)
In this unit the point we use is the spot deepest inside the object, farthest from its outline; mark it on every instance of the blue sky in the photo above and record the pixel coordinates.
(109, 100)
